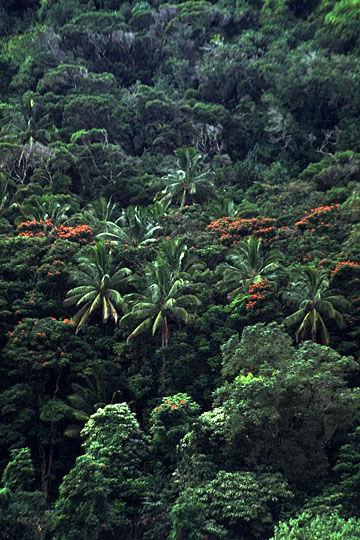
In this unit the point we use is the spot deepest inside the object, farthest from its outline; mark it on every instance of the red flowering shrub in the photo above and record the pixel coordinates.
(79, 233)
(342, 264)
(179, 402)
(257, 292)
(51, 269)
(41, 342)
(346, 276)
(33, 228)
(259, 303)
(231, 229)
(316, 216)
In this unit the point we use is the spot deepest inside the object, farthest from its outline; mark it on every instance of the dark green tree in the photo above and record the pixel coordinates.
(22, 508)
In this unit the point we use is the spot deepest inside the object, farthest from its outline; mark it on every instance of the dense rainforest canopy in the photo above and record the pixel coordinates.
(180, 269)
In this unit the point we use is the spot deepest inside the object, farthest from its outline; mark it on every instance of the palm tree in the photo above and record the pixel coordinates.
(135, 227)
(222, 207)
(99, 212)
(176, 253)
(315, 302)
(86, 397)
(164, 300)
(98, 286)
(247, 264)
(184, 182)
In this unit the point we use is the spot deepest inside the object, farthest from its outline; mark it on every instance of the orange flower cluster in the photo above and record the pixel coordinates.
(340, 265)
(312, 217)
(232, 228)
(34, 223)
(80, 233)
(257, 291)
(34, 228)
(30, 234)
(68, 321)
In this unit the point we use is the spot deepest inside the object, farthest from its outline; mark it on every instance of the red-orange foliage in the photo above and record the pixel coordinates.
(313, 216)
(257, 291)
(231, 229)
(34, 228)
(80, 233)
(340, 265)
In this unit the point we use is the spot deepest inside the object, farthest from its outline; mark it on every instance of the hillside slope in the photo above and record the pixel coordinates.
(179, 269)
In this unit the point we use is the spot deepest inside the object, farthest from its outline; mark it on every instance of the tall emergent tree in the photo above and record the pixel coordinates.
(101, 496)
(315, 304)
(164, 299)
(99, 286)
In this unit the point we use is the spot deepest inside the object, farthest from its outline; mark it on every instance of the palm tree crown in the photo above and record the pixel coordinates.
(135, 227)
(247, 264)
(98, 286)
(85, 398)
(315, 302)
(184, 182)
(178, 256)
(164, 300)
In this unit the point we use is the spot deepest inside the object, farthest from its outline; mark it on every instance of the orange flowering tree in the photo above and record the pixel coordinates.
(258, 303)
(78, 233)
(232, 229)
(44, 228)
(346, 276)
(321, 216)
(344, 265)
(35, 228)
(40, 356)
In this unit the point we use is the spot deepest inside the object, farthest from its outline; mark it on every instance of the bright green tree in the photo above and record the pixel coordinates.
(21, 507)
(232, 506)
(284, 407)
(102, 494)
(83, 510)
(322, 527)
